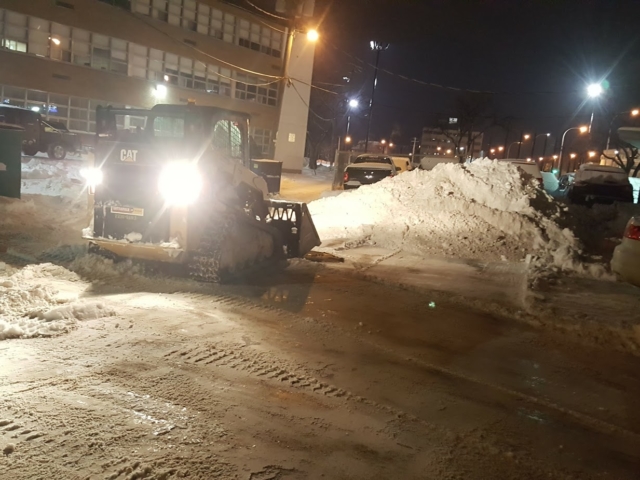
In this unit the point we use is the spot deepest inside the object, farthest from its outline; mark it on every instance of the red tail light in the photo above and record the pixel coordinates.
(632, 232)
(346, 176)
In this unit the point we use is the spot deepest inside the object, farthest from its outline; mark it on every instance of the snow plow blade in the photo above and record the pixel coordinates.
(293, 221)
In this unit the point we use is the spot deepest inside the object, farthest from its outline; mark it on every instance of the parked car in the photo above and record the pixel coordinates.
(367, 169)
(403, 164)
(626, 256)
(51, 137)
(600, 184)
(529, 167)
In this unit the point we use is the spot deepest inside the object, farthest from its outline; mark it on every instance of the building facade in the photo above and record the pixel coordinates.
(64, 58)
(435, 142)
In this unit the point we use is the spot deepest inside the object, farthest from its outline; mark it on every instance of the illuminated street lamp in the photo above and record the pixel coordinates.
(390, 145)
(313, 35)
(541, 158)
(524, 139)
(528, 159)
(500, 149)
(594, 90)
(592, 154)
(581, 129)
(347, 139)
(383, 141)
(572, 156)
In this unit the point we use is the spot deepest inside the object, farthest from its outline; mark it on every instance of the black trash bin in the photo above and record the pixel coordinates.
(271, 171)
(10, 160)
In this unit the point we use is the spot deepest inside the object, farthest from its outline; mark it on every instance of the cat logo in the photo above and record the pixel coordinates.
(128, 155)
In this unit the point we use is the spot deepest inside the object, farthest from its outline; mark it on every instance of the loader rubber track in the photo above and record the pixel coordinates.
(213, 263)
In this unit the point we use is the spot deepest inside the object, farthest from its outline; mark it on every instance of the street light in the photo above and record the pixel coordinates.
(528, 159)
(313, 35)
(383, 141)
(353, 103)
(376, 47)
(594, 90)
(347, 139)
(524, 139)
(592, 154)
(500, 149)
(390, 145)
(572, 156)
(582, 129)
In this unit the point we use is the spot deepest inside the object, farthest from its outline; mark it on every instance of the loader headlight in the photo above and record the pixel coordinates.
(93, 176)
(180, 183)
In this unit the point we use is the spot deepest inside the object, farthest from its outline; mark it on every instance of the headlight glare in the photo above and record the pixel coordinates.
(93, 176)
(180, 183)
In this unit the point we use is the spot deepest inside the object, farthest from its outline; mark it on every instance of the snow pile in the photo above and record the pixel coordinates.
(30, 306)
(44, 177)
(487, 210)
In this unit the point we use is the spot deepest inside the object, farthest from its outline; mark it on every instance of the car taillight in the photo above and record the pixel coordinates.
(632, 232)
(346, 177)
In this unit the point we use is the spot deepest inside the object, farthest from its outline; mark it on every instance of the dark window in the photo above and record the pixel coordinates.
(62, 4)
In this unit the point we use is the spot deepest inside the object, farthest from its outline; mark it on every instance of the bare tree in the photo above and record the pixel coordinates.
(471, 120)
(626, 157)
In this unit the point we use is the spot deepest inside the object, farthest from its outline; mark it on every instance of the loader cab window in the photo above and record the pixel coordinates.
(168, 127)
(227, 139)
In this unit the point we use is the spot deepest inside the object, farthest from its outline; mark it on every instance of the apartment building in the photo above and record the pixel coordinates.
(63, 58)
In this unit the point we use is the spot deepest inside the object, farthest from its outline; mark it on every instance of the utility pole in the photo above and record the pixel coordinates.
(378, 47)
(414, 142)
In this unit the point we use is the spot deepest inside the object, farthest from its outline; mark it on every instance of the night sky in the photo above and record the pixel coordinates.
(538, 56)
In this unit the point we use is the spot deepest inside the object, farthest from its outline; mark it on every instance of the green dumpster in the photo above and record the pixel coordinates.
(10, 160)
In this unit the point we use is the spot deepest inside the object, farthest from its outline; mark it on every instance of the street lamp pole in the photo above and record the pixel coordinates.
(594, 90)
(582, 130)
(378, 47)
(522, 139)
(533, 148)
(509, 149)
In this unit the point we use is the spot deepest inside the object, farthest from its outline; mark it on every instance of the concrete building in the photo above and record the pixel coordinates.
(435, 143)
(66, 57)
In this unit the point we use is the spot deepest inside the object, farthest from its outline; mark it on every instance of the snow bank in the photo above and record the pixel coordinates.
(30, 306)
(487, 210)
(44, 177)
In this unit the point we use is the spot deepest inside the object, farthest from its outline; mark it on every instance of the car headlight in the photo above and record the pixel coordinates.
(93, 176)
(180, 183)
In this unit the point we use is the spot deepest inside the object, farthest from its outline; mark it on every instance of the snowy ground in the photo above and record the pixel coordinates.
(318, 371)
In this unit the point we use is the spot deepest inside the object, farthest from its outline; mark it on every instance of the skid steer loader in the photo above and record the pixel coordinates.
(172, 184)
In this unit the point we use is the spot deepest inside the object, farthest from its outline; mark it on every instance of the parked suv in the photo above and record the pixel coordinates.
(600, 184)
(41, 135)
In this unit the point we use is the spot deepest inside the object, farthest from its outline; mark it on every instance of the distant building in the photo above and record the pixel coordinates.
(435, 143)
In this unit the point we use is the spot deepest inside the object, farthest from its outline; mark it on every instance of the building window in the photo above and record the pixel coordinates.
(254, 89)
(263, 139)
(206, 20)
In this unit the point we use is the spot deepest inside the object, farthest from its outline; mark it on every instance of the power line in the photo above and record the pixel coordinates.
(265, 12)
(447, 87)
(306, 104)
(237, 67)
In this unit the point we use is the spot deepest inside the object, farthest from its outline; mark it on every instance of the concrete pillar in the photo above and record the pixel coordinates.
(294, 111)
